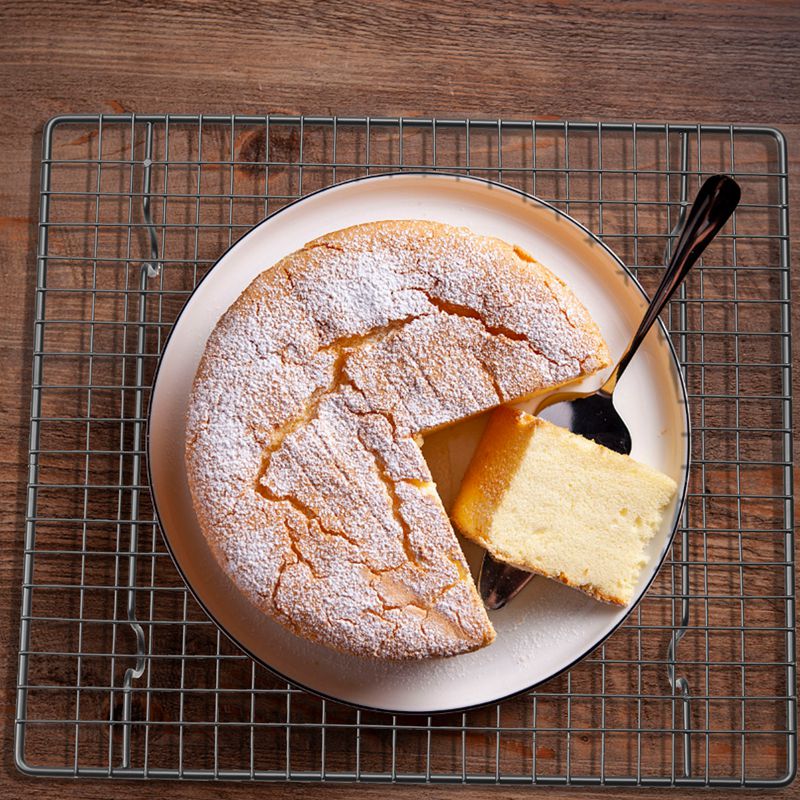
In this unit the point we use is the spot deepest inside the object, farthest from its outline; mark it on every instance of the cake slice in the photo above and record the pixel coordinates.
(543, 499)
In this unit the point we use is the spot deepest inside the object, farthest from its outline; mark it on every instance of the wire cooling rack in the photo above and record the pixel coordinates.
(120, 672)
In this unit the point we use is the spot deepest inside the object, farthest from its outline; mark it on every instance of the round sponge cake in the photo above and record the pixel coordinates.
(304, 425)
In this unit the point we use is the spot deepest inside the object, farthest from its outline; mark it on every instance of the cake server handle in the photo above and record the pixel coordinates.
(713, 206)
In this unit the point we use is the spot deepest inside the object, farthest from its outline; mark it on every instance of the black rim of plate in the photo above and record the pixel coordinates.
(678, 510)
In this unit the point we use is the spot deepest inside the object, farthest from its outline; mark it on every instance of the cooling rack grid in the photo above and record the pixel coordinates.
(120, 672)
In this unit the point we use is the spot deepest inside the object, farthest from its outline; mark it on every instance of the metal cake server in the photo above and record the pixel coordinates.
(593, 414)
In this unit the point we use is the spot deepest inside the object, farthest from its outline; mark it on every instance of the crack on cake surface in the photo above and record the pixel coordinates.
(343, 348)
(397, 503)
(267, 493)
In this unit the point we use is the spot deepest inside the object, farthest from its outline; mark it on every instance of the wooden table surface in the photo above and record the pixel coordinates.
(701, 61)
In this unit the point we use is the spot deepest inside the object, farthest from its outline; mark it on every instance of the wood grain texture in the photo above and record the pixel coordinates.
(703, 61)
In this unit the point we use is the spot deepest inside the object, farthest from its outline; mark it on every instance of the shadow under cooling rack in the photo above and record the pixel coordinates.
(121, 674)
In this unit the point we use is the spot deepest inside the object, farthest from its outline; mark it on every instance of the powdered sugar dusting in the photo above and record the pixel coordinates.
(305, 475)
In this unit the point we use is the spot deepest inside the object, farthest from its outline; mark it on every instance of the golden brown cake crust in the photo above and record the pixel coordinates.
(306, 476)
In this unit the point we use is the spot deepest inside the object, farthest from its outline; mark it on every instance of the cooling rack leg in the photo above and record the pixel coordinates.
(148, 270)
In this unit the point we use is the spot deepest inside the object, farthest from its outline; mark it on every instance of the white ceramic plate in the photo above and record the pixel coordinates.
(549, 626)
